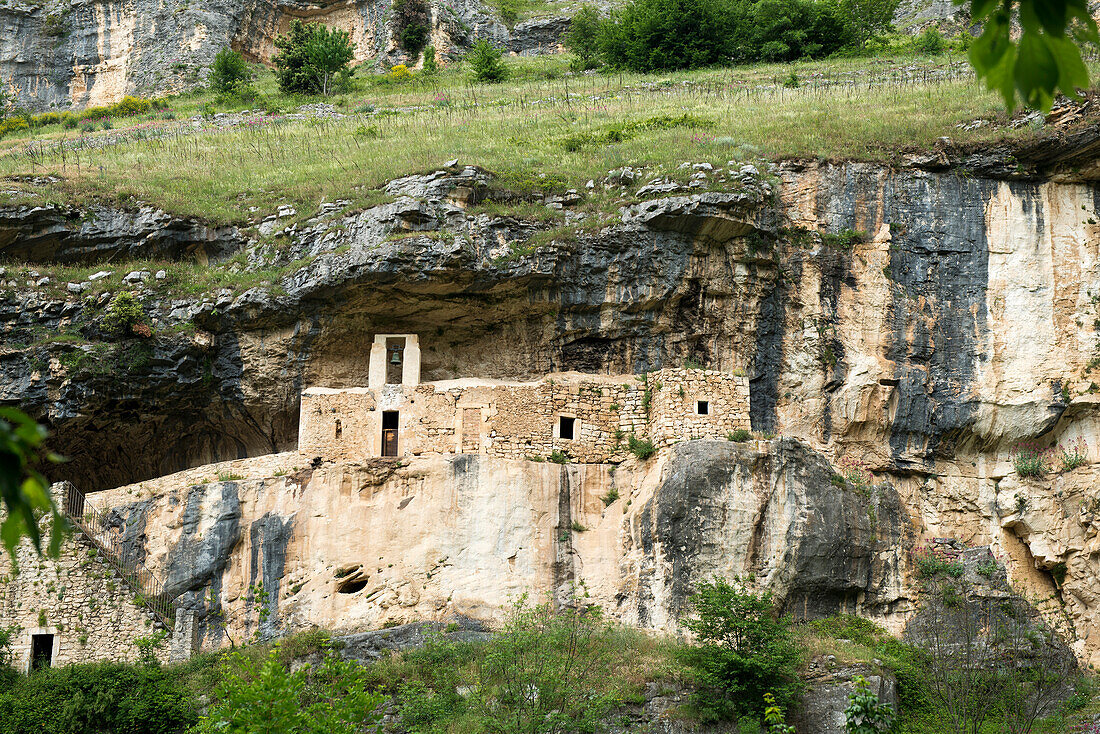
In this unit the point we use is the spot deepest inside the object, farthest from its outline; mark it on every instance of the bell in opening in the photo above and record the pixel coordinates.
(395, 361)
(389, 433)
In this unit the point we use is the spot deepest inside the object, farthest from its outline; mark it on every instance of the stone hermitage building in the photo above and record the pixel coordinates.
(587, 418)
(98, 601)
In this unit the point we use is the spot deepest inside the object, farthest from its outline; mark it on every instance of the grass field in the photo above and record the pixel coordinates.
(542, 130)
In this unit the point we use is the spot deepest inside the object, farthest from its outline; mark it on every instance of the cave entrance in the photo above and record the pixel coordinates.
(395, 360)
(389, 432)
(41, 652)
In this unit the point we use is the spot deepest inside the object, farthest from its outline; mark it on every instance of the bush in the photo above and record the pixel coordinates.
(266, 698)
(744, 650)
(642, 449)
(13, 125)
(583, 37)
(412, 22)
(101, 697)
(931, 42)
(229, 72)
(652, 35)
(1030, 460)
(486, 63)
(865, 715)
(123, 314)
(310, 56)
(739, 436)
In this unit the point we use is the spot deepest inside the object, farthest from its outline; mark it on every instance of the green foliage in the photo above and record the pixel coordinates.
(548, 671)
(583, 37)
(430, 66)
(744, 651)
(310, 56)
(96, 698)
(412, 22)
(609, 498)
(123, 314)
(508, 10)
(651, 35)
(148, 645)
(229, 71)
(1044, 59)
(865, 715)
(264, 697)
(641, 448)
(622, 131)
(866, 19)
(774, 718)
(559, 457)
(930, 565)
(486, 63)
(1030, 460)
(7, 635)
(930, 42)
(739, 436)
(23, 490)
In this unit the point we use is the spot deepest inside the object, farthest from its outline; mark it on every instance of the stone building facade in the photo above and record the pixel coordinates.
(72, 609)
(588, 418)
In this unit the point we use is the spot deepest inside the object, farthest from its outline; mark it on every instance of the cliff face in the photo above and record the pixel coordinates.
(957, 317)
(92, 52)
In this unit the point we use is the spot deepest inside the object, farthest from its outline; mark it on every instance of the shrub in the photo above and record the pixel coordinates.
(264, 697)
(412, 22)
(310, 56)
(739, 436)
(930, 564)
(430, 66)
(865, 715)
(609, 498)
(486, 63)
(13, 125)
(865, 19)
(931, 42)
(559, 457)
(583, 37)
(229, 72)
(100, 697)
(642, 449)
(744, 650)
(123, 314)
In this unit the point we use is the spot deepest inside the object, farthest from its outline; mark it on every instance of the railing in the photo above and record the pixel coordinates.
(147, 588)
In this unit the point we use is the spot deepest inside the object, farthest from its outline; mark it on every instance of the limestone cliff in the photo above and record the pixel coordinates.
(921, 320)
(56, 53)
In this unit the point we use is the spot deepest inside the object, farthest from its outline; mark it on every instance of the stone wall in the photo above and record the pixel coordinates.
(524, 420)
(79, 599)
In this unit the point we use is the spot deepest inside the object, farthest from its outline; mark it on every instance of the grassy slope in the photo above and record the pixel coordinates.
(863, 109)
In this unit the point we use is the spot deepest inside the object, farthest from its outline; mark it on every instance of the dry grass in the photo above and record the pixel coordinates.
(859, 110)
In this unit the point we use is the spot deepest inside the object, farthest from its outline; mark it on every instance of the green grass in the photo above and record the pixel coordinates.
(865, 109)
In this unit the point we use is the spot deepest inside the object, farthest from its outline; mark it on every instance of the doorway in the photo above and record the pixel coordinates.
(41, 652)
(389, 432)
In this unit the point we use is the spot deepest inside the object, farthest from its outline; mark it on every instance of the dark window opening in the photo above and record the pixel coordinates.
(339, 428)
(565, 428)
(41, 651)
(395, 360)
(389, 433)
(703, 407)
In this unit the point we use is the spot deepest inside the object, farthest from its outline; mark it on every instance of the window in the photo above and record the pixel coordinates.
(702, 407)
(565, 427)
(41, 651)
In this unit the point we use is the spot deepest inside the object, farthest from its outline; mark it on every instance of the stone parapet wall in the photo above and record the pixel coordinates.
(524, 420)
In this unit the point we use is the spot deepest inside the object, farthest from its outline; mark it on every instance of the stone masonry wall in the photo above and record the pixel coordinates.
(79, 599)
(523, 420)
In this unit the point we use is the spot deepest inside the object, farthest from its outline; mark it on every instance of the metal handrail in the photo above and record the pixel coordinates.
(148, 589)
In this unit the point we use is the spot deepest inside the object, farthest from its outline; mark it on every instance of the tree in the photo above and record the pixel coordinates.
(229, 72)
(24, 491)
(744, 651)
(412, 22)
(309, 56)
(655, 35)
(868, 18)
(486, 63)
(1046, 57)
(329, 53)
(583, 36)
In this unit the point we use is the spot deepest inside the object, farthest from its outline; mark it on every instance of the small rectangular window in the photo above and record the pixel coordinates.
(565, 428)
(702, 407)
